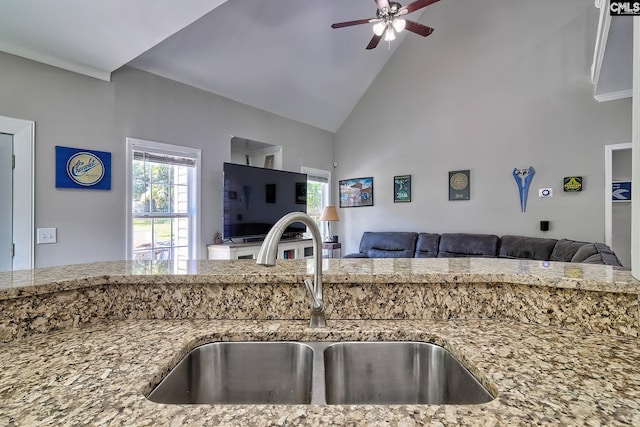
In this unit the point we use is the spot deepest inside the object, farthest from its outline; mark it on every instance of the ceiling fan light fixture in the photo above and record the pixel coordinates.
(379, 27)
(389, 21)
(399, 24)
(389, 35)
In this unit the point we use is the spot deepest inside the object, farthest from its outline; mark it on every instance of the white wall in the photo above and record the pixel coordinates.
(78, 111)
(499, 84)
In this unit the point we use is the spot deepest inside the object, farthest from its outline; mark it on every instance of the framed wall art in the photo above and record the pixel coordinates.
(621, 191)
(402, 188)
(80, 168)
(459, 183)
(268, 161)
(356, 192)
(572, 184)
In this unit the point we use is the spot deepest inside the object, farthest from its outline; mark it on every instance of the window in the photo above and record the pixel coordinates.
(318, 195)
(163, 205)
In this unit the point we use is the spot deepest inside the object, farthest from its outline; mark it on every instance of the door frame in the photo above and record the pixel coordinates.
(608, 180)
(24, 134)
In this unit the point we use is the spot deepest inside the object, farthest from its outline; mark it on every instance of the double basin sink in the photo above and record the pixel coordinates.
(320, 373)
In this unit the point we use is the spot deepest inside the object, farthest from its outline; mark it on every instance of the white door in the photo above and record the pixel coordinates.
(22, 133)
(6, 202)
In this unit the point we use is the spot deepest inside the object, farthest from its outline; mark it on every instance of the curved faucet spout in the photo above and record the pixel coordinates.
(269, 252)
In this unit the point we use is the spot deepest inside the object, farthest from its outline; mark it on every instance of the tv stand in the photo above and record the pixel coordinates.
(252, 239)
(287, 249)
(287, 237)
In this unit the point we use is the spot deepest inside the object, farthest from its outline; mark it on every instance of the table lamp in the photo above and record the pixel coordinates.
(329, 214)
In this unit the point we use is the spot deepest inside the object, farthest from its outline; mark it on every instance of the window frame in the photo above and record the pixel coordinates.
(134, 144)
(327, 200)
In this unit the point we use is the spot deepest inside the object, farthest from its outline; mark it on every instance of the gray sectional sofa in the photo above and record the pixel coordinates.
(403, 244)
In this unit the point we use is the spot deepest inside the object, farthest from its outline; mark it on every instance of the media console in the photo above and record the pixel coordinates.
(287, 249)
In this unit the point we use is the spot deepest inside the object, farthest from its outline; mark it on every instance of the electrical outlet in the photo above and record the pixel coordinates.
(545, 192)
(47, 235)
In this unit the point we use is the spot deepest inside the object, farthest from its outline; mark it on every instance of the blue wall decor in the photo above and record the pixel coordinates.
(621, 191)
(78, 168)
(523, 178)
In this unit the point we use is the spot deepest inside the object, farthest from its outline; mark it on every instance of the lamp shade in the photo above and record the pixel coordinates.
(329, 213)
(389, 34)
(379, 27)
(399, 24)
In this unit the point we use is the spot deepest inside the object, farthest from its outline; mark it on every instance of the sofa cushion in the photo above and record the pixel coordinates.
(427, 245)
(388, 244)
(526, 247)
(603, 258)
(356, 255)
(468, 245)
(565, 250)
(584, 252)
(597, 253)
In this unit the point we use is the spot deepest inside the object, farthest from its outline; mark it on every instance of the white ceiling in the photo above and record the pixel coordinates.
(93, 37)
(281, 56)
(278, 55)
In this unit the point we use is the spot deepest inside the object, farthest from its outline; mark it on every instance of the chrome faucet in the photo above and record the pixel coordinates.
(269, 251)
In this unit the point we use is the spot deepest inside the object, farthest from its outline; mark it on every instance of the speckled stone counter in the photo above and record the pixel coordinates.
(556, 342)
(581, 297)
(99, 374)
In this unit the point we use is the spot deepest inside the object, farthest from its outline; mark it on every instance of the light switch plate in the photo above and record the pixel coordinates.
(47, 235)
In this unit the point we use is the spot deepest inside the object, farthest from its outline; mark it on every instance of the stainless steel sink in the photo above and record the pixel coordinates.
(240, 373)
(343, 373)
(386, 373)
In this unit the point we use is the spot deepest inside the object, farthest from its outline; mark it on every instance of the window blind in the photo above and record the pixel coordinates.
(166, 159)
(317, 178)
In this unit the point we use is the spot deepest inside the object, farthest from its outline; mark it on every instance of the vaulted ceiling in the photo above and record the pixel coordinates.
(278, 55)
(281, 56)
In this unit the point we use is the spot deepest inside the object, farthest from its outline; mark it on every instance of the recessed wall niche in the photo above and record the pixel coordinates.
(255, 153)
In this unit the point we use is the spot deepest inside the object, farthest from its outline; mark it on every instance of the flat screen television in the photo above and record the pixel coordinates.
(256, 198)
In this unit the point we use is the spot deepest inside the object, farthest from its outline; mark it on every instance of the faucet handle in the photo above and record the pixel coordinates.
(316, 303)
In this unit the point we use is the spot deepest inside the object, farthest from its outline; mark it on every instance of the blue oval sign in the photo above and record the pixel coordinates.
(85, 169)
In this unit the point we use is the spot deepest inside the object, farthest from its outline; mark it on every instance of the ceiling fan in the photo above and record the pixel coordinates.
(389, 20)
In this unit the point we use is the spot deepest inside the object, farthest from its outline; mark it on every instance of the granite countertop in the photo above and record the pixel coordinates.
(98, 373)
(380, 270)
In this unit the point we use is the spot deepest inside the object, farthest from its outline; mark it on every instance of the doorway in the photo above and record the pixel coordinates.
(254, 153)
(617, 207)
(22, 133)
(6, 207)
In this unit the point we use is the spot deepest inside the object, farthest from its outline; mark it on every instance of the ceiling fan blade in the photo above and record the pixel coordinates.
(374, 42)
(350, 23)
(417, 28)
(412, 7)
(382, 4)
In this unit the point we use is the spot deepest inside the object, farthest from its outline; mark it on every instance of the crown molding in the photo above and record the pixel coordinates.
(54, 61)
(612, 96)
